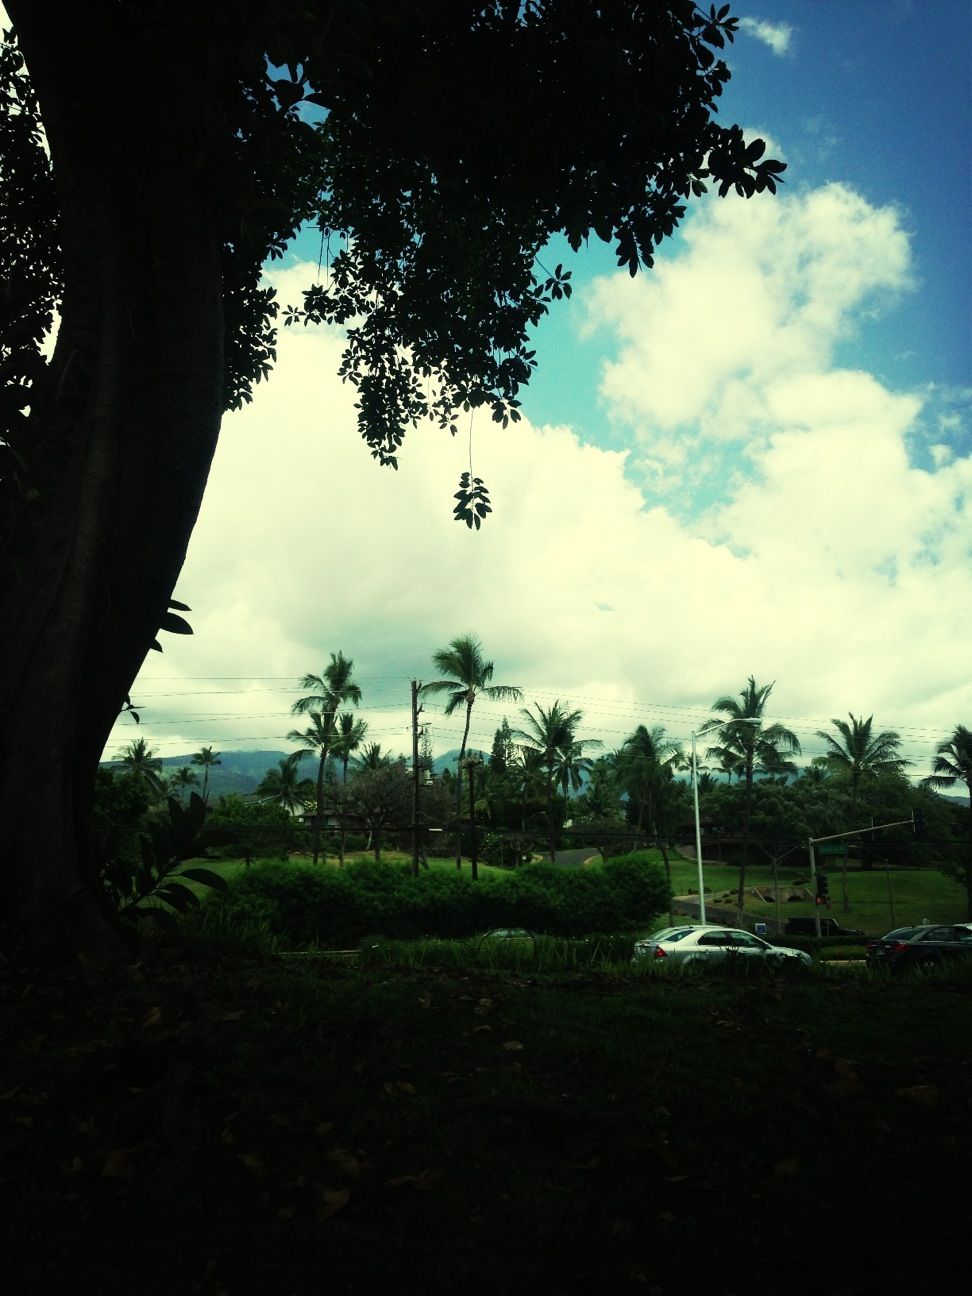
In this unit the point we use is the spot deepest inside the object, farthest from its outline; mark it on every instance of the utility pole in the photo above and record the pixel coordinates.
(416, 778)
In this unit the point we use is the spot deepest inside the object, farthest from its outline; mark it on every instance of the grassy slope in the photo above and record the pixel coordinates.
(216, 1126)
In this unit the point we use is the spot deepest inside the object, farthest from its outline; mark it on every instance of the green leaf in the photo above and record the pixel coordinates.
(175, 624)
(161, 916)
(207, 877)
(179, 897)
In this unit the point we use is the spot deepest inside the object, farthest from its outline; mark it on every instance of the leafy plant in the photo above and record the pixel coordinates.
(154, 875)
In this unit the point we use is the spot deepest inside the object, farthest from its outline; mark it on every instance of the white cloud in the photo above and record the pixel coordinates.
(830, 561)
(776, 35)
(764, 289)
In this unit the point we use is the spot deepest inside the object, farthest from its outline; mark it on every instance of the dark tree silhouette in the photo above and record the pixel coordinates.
(458, 136)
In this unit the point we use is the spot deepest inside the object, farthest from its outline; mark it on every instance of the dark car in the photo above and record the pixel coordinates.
(828, 927)
(922, 946)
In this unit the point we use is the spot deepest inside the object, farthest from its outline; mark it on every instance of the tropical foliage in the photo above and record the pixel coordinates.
(747, 744)
(332, 689)
(858, 752)
(550, 737)
(466, 675)
(284, 786)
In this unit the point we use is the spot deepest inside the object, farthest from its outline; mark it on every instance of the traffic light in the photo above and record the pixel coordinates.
(823, 889)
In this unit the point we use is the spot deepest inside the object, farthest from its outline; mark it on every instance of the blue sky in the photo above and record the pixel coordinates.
(754, 460)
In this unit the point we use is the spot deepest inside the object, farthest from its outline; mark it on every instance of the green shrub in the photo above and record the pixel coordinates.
(303, 905)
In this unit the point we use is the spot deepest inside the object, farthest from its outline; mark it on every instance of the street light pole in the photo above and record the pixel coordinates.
(698, 830)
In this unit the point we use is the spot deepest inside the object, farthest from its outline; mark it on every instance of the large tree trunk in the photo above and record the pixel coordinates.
(129, 417)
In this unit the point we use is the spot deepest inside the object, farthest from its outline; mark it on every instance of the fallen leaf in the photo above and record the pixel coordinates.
(514, 1046)
(483, 1007)
(425, 1000)
(393, 1087)
(349, 1162)
(153, 1017)
(324, 1127)
(233, 1016)
(333, 1200)
(421, 1182)
(788, 1168)
(668, 1217)
(251, 1161)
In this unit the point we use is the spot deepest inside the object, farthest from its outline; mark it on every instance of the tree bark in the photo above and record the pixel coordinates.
(126, 425)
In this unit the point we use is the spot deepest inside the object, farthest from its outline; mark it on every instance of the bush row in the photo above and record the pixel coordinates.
(302, 905)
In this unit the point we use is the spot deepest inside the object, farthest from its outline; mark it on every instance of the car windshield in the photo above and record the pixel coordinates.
(901, 934)
(675, 934)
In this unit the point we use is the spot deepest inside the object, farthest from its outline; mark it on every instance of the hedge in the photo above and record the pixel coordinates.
(305, 905)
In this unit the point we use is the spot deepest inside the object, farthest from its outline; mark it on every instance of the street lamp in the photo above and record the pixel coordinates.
(698, 830)
(752, 720)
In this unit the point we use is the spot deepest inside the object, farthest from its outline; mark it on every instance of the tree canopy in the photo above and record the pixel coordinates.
(454, 138)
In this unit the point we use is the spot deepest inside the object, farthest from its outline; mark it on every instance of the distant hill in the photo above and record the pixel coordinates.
(238, 771)
(241, 771)
(448, 759)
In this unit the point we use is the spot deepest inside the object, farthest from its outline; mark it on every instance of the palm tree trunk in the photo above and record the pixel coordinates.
(744, 853)
(459, 768)
(320, 804)
(663, 847)
(474, 851)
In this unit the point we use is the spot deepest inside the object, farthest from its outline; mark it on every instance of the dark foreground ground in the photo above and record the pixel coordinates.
(280, 1126)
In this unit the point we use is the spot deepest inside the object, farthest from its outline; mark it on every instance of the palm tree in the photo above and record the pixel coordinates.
(742, 734)
(727, 762)
(373, 758)
(466, 675)
(284, 786)
(526, 774)
(207, 758)
(348, 737)
(859, 752)
(953, 764)
(642, 763)
(144, 767)
(315, 740)
(184, 778)
(551, 737)
(573, 765)
(332, 688)
(953, 761)
(645, 764)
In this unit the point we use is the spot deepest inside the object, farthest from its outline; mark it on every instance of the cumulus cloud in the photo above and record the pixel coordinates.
(776, 35)
(826, 560)
(763, 289)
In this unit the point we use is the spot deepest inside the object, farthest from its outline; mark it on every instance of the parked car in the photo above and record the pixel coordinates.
(828, 927)
(712, 944)
(922, 946)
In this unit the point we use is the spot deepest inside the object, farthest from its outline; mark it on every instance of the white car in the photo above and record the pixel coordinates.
(711, 944)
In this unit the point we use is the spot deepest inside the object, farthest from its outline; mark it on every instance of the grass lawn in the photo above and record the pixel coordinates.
(209, 1125)
(917, 894)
